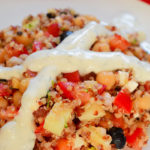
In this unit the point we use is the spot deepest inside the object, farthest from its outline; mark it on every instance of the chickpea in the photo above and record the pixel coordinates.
(17, 98)
(3, 102)
(91, 18)
(24, 39)
(79, 21)
(15, 83)
(101, 47)
(143, 102)
(2, 55)
(106, 78)
(24, 84)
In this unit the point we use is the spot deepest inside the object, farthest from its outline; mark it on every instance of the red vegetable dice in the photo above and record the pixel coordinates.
(5, 90)
(13, 51)
(65, 87)
(132, 139)
(54, 29)
(72, 76)
(101, 90)
(118, 42)
(123, 102)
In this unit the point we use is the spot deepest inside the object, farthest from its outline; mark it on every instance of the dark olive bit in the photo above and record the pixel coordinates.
(118, 138)
(50, 15)
(65, 34)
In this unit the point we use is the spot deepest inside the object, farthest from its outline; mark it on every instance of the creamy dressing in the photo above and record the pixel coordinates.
(87, 61)
(84, 38)
(19, 133)
(8, 73)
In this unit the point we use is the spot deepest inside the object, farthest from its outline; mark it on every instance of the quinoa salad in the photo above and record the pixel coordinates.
(95, 111)
(44, 31)
(67, 82)
(47, 31)
(11, 92)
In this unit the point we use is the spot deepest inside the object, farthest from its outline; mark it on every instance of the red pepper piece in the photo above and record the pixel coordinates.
(5, 90)
(124, 102)
(72, 76)
(132, 139)
(100, 91)
(11, 51)
(118, 42)
(64, 86)
(54, 29)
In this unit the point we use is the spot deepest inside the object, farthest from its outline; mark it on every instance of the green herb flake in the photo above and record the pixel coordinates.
(134, 42)
(31, 25)
(49, 100)
(53, 83)
(66, 125)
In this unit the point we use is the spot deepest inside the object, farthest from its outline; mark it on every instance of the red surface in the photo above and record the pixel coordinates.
(146, 1)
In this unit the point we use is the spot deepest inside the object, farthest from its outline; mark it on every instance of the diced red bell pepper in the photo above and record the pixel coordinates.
(37, 46)
(64, 86)
(123, 102)
(118, 42)
(101, 90)
(40, 129)
(132, 139)
(5, 90)
(54, 29)
(12, 51)
(72, 76)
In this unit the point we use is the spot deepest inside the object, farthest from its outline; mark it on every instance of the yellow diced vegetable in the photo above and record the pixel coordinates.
(92, 111)
(57, 118)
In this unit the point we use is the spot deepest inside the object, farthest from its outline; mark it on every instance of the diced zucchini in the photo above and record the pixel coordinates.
(92, 111)
(57, 118)
(123, 77)
(31, 25)
(131, 85)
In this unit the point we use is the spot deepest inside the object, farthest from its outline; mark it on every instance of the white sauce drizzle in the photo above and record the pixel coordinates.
(19, 133)
(84, 38)
(87, 61)
(8, 73)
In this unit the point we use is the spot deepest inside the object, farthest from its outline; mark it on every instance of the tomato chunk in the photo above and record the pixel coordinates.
(82, 95)
(72, 76)
(132, 139)
(124, 102)
(118, 42)
(5, 90)
(63, 144)
(65, 87)
(54, 29)
(37, 46)
(16, 50)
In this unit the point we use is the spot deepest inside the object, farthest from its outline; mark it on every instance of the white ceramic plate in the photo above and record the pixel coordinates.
(13, 11)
